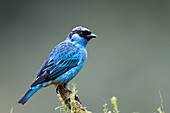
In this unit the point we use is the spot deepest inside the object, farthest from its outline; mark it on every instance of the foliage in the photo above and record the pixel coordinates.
(160, 109)
(76, 108)
(11, 110)
(113, 101)
(64, 108)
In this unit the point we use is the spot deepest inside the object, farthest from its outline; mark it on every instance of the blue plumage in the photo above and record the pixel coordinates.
(63, 63)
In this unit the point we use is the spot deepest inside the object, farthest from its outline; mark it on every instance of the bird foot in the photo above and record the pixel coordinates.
(76, 98)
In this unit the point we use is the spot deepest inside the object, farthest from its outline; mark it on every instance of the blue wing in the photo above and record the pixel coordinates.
(57, 64)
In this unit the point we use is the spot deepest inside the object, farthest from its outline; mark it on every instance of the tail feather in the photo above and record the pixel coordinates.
(28, 94)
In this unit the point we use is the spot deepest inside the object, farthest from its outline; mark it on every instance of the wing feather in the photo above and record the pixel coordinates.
(52, 67)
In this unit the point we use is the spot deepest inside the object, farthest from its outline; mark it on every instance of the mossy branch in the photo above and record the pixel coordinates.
(70, 100)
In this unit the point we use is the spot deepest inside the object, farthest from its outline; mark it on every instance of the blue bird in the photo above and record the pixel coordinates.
(63, 63)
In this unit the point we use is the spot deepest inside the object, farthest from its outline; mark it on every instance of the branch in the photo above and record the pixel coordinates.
(70, 99)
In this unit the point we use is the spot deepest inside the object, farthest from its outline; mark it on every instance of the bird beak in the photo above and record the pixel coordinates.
(91, 35)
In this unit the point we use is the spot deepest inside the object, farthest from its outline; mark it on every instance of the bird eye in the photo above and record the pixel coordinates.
(81, 33)
(86, 32)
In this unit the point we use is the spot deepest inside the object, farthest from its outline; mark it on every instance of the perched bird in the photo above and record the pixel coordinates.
(63, 63)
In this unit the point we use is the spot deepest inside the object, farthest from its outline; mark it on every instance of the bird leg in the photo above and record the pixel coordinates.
(65, 93)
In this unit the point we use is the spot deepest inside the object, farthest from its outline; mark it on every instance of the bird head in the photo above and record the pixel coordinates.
(81, 34)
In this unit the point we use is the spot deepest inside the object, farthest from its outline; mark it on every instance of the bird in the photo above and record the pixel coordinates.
(64, 62)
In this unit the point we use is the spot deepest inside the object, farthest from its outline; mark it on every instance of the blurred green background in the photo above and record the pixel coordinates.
(130, 59)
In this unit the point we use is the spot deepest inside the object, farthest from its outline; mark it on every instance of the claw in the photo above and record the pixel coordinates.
(77, 98)
(57, 89)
